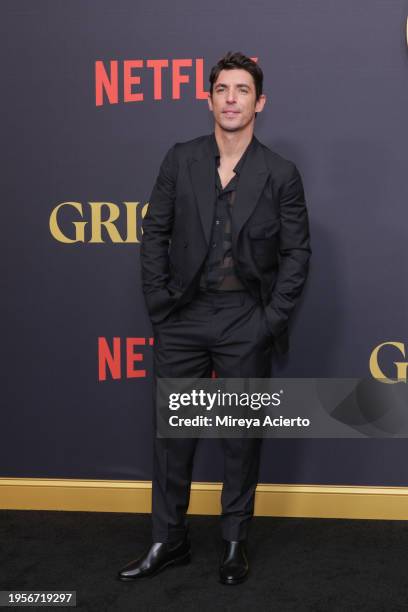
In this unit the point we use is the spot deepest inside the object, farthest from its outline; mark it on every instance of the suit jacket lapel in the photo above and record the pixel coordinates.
(202, 173)
(251, 182)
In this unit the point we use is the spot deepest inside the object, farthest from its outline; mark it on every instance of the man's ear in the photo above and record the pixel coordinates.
(209, 100)
(260, 103)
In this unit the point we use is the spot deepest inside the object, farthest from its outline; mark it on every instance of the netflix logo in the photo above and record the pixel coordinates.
(122, 358)
(135, 80)
(119, 359)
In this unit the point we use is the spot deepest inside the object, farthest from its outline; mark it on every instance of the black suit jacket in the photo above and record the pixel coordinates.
(270, 231)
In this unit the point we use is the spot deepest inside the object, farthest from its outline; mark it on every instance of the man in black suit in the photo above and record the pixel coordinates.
(224, 255)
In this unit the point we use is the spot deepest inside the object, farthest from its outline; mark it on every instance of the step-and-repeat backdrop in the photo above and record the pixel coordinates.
(93, 95)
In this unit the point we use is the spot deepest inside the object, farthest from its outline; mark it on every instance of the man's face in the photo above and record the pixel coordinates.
(233, 101)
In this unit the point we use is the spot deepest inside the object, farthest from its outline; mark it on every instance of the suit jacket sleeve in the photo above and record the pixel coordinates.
(157, 226)
(294, 252)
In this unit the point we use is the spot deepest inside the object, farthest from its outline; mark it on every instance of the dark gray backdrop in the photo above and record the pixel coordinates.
(336, 77)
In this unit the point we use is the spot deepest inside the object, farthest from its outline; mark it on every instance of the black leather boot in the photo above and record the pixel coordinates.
(234, 565)
(157, 557)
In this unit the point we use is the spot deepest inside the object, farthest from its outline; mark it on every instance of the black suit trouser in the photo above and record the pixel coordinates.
(225, 332)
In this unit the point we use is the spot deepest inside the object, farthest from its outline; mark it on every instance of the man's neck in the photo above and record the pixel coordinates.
(232, 144)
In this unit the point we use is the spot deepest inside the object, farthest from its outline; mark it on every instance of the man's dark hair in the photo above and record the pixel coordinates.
(237, 60)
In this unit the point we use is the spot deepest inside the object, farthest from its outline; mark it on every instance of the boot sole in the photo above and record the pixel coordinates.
(233, 580)
(184, 560)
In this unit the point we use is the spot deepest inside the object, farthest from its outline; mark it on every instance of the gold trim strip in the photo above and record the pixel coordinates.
(311, 501)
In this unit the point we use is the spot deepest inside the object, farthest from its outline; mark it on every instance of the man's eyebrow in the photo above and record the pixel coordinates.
(237, 84)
